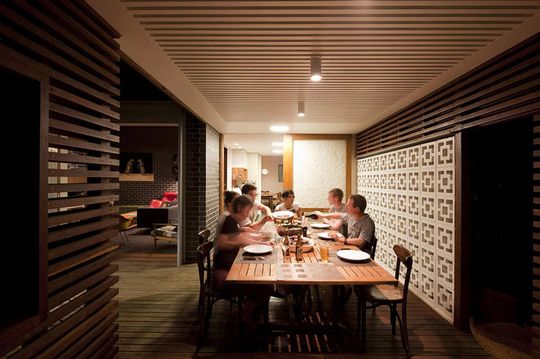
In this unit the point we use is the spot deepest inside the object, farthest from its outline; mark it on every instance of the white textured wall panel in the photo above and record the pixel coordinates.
(410, 195)
(318, 166)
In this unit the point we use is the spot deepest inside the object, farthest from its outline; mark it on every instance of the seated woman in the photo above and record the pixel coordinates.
(288, 204)
(229, 196)
(229, 240)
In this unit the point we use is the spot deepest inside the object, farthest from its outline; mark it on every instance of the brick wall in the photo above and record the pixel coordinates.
(195, 183)
(202, 182)
(212, 179)
(162, 142)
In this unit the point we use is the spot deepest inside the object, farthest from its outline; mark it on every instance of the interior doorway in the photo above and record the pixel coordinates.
(497, 229)
(151, 132)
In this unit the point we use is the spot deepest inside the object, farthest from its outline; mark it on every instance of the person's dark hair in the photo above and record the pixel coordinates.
(288, 193)
(336, 192)
(229, 196)
(359, 202)
(241, 202)
(248, 188)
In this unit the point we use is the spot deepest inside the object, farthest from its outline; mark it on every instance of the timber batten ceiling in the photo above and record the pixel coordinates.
(250, 59)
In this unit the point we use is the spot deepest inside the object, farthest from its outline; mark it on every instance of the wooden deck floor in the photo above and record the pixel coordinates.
(158, 319)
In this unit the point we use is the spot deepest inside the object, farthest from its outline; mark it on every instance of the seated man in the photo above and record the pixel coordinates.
(361, 228)
(251, 191)
(288, 204)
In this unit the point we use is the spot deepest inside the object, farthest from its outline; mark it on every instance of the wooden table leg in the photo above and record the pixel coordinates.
(363, 324)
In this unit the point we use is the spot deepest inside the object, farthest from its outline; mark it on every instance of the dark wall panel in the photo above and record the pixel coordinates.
(75, 52)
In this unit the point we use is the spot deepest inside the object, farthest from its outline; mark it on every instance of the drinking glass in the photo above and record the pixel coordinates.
(325, 254)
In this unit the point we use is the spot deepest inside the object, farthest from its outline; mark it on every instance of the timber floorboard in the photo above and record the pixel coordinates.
(158, 320)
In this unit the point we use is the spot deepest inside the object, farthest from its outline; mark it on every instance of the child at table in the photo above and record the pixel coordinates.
(229, 240)
(289, 205)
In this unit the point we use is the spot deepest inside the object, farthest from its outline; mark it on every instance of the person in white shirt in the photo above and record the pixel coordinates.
(288, 204)
(251, 191)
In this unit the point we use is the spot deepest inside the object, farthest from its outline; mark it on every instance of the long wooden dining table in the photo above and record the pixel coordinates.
(279, 269)
(276, 268)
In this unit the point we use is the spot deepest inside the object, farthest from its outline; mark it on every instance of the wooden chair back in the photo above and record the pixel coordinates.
(404, 257)
(203, 259)
(373, 247)
(204, 235)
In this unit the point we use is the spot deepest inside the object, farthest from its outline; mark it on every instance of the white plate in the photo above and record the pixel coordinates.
(258, 249)
(355, 256)
(283, 214)
(320, 225)
(324, 235)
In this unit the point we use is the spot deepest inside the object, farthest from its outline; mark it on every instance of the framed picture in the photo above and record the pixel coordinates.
(136, 166)
(280, 173)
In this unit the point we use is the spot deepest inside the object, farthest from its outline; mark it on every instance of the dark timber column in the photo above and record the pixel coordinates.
(536, 240)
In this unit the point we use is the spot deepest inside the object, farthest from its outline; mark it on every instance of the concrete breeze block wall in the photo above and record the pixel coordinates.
(162, 142)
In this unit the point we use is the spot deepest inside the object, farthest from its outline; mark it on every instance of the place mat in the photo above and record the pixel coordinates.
(268, 258)
(308, 273)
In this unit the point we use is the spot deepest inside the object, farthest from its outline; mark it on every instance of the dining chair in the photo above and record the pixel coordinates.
(372, 256)
(207, 295)
(340, 291)
(373, 248)
(391, 295)
(203, 238)
(204, 235)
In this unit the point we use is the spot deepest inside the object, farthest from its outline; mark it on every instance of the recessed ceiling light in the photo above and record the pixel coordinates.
(240, 147)
(279, 128)
(237, 144)
(277, 151)
(301, 111)
(277, 144)
(316, 73)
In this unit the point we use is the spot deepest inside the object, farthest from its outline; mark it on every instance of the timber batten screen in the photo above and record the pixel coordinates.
(75, 51)
(503, 88)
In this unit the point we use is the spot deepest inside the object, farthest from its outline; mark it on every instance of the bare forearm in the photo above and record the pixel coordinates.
(257, 225)
(359, 242)
(265, 209)
(335, 225)
(232, 241)
(335, 215)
